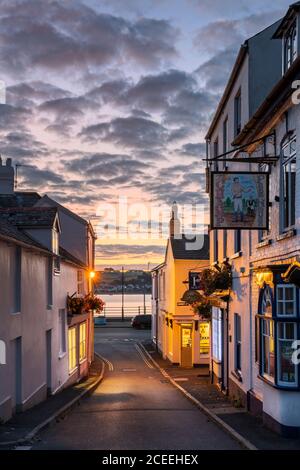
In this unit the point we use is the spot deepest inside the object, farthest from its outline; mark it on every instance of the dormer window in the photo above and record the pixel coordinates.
(55, 242)
(290, 46)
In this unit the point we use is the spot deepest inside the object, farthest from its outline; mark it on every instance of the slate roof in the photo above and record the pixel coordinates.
(19, 199)
(30, 217)
(68, 257)
(8, 230)
(181, 250)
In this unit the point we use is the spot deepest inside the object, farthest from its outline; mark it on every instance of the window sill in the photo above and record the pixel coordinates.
(56, 272)
(264, 243)
(62, 355)
(15, 313)
(288, 234)
(83, 360)
(237, 375)
(49, 307)
(286, 388)
(238, 254)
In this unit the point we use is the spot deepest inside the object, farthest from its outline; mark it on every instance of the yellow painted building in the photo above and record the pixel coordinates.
(177, 331)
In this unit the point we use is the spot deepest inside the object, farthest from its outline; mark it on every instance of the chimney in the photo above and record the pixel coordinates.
(174, 225)
(7, 177)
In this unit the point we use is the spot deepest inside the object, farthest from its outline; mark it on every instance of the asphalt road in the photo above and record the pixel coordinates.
(134, 407)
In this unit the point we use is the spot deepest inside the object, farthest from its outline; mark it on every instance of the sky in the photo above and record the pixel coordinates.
(110, 99)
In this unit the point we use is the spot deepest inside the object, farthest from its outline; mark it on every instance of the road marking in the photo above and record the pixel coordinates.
(107, 362)
(23, 448)
(129, 370)
(181, 379)
(142, 355)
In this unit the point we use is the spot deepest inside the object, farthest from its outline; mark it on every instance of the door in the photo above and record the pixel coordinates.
(18, 372)
(48, 360)
(186, 345)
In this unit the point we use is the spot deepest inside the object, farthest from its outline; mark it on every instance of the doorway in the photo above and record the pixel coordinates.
(186, 345)
(48, 360)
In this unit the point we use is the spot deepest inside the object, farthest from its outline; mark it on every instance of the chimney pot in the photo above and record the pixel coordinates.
(7, 177)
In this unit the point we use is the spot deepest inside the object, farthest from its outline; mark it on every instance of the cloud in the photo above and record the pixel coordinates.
(226, 34)
(131, 132)
(193, 150)
(69, 34)
(215, 72)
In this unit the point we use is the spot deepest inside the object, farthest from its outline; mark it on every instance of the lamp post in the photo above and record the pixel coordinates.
(122, 293)
(92, 276)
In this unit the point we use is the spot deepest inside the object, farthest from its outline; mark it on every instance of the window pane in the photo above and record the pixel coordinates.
(287, 372)
(290, 331)
(279, 293)
(289, 308)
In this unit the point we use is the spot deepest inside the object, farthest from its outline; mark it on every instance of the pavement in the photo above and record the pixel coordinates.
(196, 382)
(143, 402)
(23, 427)
(135, 407)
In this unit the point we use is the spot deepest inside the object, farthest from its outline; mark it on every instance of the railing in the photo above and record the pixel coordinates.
(126, 312)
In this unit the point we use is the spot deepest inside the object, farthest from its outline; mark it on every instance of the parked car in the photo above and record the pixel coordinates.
(141, 321)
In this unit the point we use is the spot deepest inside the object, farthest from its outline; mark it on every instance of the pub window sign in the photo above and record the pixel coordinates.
(239, 200)
(194, 280)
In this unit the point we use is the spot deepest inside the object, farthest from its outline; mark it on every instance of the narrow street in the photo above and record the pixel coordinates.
(134, 407)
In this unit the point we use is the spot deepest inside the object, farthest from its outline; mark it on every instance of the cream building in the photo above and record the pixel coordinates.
(177, 331)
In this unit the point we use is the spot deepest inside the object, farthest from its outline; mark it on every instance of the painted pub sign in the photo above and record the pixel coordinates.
(239, 200)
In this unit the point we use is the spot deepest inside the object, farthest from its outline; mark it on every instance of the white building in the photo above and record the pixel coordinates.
(254, 332)
(46, 349)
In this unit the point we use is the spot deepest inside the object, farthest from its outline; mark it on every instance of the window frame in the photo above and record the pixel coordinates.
(290, 45)
(238, 113)
(71, 348)
(62, 332)
(278, 356)
(82, 342)
(238, 343)
(288, 214)
(271, 315)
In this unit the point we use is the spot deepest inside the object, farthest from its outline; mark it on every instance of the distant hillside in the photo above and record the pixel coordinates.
(109, 281)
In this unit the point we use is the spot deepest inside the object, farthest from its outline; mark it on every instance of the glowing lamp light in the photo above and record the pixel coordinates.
(92, 274)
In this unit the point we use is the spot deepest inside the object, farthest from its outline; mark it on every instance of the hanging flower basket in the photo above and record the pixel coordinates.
(218, 278)
(75, 305)
(91, 302)
(202, 308)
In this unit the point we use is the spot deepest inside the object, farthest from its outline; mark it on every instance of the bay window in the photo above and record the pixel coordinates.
(278, 329)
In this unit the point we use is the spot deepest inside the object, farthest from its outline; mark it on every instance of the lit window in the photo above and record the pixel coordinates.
(277, 336)
(72, 349)
(80, 282)
(268, 350)
(287, 371)
(82, 341)
(62, 331)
